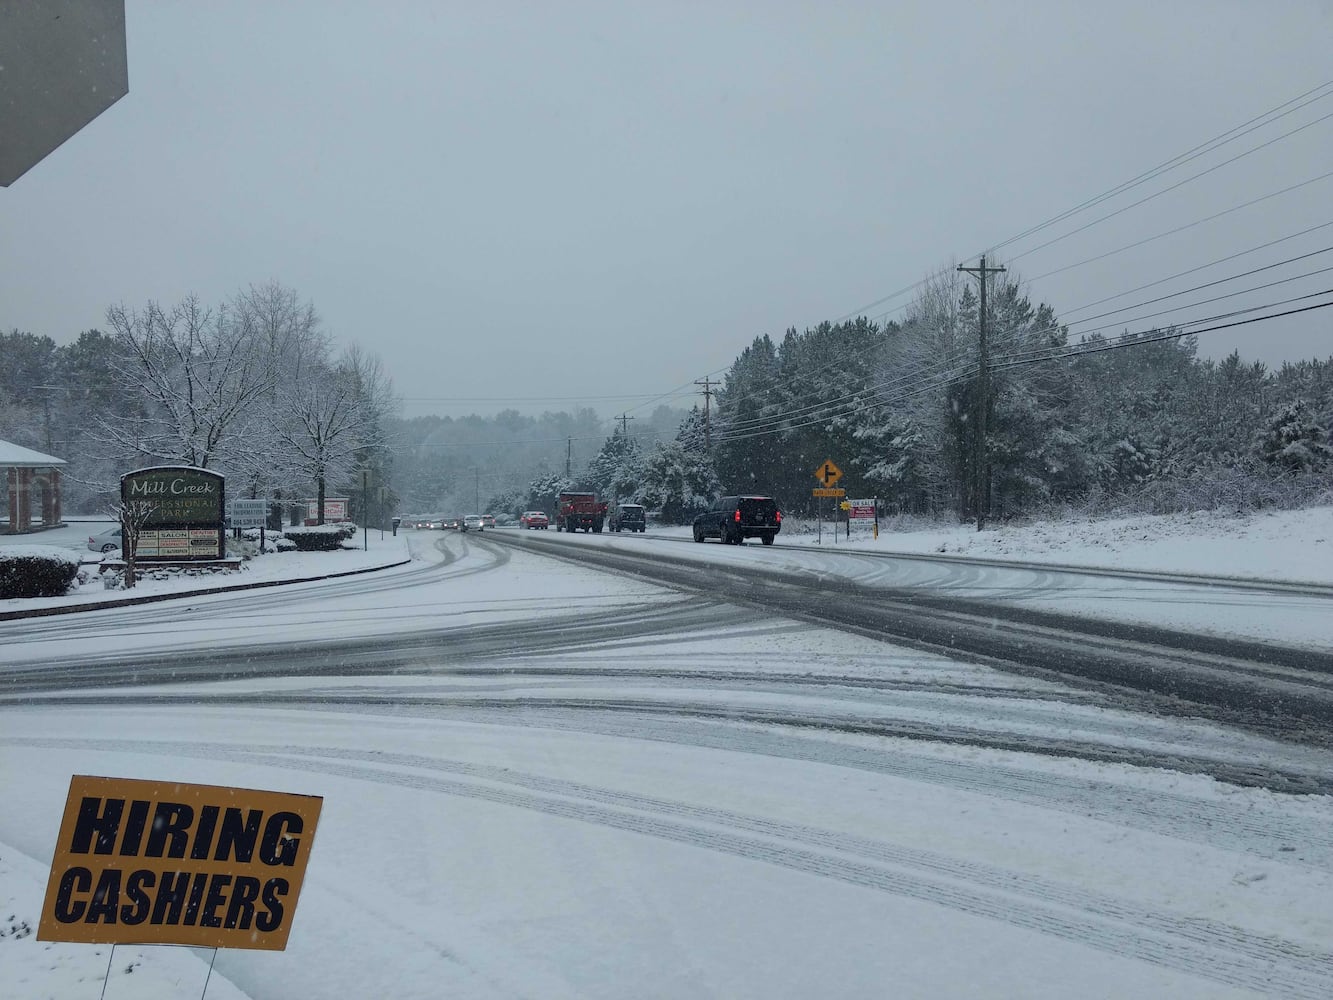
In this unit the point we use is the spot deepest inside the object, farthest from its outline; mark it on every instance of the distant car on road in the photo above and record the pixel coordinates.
(534, 519)
(488, 520)
(628, 517)
(734, 519)
(105, 541)
(473, 522)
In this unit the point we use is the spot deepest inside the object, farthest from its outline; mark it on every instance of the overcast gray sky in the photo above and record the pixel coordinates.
(586, 200)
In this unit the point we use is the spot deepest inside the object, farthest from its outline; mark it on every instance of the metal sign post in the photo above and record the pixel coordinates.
(819, 494)
(365, 510)
(826, 475)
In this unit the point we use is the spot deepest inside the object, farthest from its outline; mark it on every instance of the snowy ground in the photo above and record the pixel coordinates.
(1273, 545)
(268, 568)
(1038, 567)
(544, 809)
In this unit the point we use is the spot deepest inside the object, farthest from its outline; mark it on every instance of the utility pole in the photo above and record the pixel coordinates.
(708, 390)
(624, 419)
(983, 390)
(569, 456)
(46, 411)
(476, 473)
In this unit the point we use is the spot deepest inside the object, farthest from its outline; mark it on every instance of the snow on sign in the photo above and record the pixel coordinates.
(184, 512)
(160, 862)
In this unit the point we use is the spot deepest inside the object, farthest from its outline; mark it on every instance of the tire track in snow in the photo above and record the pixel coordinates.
(1196, 946)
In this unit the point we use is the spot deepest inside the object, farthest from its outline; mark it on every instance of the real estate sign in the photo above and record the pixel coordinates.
(248, 513)
(186, 517)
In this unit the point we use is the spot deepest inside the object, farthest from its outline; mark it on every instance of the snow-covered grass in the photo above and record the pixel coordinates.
(1289, 545)
(273, 567)
(52, 970)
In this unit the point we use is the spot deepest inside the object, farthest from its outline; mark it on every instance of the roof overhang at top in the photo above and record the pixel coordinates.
(15, 456)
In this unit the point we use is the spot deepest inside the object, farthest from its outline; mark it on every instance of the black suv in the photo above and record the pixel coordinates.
(628, 517)
(734, 519)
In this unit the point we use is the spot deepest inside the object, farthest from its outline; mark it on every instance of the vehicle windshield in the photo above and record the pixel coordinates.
(908, 429)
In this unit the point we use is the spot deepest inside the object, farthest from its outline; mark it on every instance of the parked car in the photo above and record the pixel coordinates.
(628, 517)
(534, 519)
(488, 520)
(734, 519)
(105, 541)
(473, 522)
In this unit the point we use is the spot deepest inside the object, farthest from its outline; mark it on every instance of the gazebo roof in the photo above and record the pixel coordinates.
(15, 456)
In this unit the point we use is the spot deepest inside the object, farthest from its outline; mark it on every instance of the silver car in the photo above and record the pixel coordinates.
(105, 541)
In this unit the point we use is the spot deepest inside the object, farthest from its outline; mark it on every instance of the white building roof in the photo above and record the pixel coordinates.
(15, 456)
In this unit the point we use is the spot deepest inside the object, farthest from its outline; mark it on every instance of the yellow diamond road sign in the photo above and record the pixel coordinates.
(828, 473)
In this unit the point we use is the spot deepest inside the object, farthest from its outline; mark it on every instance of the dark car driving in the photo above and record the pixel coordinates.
(734, 519)
(628, 517)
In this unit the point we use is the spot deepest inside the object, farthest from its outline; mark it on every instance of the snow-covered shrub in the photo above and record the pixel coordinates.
(1294, 440)
(36, 571)
(281, 544)
(243, 547)
(316, 538)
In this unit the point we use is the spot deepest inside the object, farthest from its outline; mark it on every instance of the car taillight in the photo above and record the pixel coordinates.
(738, 517)
(777, 517)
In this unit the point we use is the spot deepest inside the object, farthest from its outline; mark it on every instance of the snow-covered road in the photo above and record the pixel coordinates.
(1265, 611)
(542, 780)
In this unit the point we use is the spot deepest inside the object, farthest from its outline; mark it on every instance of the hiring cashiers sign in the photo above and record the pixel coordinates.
(158, 862)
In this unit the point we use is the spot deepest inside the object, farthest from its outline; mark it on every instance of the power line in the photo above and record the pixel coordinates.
(1167, 190)
(525, 399)
(962, 373)
(831, 409)
(1196, 222)
(1231, 135)
(1274, 114)
(1137, 340)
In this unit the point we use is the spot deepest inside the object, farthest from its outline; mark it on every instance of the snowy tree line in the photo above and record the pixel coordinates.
(895, 405)
(454, 465)
(251, 388)
(1145, 425)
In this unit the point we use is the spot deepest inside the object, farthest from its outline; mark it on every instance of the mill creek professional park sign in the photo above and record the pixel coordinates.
(186, 512)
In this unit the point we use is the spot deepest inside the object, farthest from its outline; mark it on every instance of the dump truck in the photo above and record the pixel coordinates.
(579, 510)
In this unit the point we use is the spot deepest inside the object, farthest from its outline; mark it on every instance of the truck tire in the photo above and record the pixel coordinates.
(768, 539)
(698, 534)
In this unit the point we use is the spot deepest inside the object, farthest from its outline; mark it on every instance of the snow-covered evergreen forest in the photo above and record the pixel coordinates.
(1139, 422)
(252, 387)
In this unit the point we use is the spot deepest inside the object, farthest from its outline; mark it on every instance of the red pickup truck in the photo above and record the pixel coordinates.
(579, 510)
